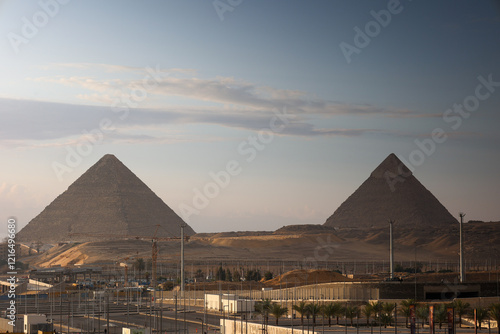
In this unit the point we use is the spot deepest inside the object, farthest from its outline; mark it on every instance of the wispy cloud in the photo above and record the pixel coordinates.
(220, 101)
(220, 90)
(38, 124)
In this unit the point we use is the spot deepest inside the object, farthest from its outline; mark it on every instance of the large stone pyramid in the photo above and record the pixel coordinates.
(108, 199)
(391, 192)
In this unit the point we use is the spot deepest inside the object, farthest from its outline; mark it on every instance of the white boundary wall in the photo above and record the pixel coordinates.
(238, 327)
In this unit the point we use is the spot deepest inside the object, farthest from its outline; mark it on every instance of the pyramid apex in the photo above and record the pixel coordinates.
(110, 161)
(109, 157)
(392, 165)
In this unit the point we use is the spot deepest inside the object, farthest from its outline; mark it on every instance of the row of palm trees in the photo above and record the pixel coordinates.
(460, 308)
(382, 313)
(378, 310)
(266, 308)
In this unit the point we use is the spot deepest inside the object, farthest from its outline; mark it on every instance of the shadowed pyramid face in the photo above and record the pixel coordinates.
(107, 199)
(391, 192)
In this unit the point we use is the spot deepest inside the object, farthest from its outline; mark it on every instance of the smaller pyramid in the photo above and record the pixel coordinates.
(107, 199)
(391, 192)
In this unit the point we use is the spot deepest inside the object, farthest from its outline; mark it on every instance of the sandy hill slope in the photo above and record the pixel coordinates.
(482, 241)
(107, 199)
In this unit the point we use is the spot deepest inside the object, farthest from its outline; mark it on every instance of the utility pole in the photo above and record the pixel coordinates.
(176, 313)
(69, 310)
(182, 261)
(391, 249)
(462, 269)
(107, 313)
(154, 257)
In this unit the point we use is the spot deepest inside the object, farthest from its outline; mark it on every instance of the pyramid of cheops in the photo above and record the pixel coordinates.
(108, 199)
(391, 192)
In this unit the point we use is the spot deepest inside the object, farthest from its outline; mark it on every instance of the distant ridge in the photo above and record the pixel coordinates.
(391, 192)
(107, 199)
(304, 228)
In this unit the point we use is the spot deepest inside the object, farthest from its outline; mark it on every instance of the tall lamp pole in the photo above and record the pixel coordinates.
(462, 269)
(182, 261)
(391, 249)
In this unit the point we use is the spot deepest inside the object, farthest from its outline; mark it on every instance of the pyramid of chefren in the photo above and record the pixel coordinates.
(391, 193)
(108, 199)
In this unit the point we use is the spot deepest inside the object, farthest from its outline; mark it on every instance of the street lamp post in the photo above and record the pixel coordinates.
(224, 318)
(391, 250)
(462, 269)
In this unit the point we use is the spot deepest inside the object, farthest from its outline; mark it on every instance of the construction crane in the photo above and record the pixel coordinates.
(125, 265)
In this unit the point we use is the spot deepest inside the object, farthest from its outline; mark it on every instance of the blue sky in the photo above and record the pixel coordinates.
(177, 89)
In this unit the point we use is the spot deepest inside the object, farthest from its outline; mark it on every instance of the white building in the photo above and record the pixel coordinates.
(35, 322)
(136, 330)
(229, 303)
(34, 285)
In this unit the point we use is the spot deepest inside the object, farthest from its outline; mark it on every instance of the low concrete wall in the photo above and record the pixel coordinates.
(5, 327)
(481, 301)
(238, 327)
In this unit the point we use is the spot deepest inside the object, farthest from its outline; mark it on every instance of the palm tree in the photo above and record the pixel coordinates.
(481, 314)
(405, 308)
(313, 309)
(140, 265)
(387, 313)
(495, 314)
(377, 308)
(367, 312)
(339, 310)
(388, 307)
(422, 312)
(301, 308)
(461, 309)
(386, 319)
(352, 312)
(263, 307)
(277, 311)
(329, 310)
(440, 314)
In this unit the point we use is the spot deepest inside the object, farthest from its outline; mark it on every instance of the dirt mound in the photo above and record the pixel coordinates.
(453, 277)
(224, 286)
(303, 277)
(289, 279)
